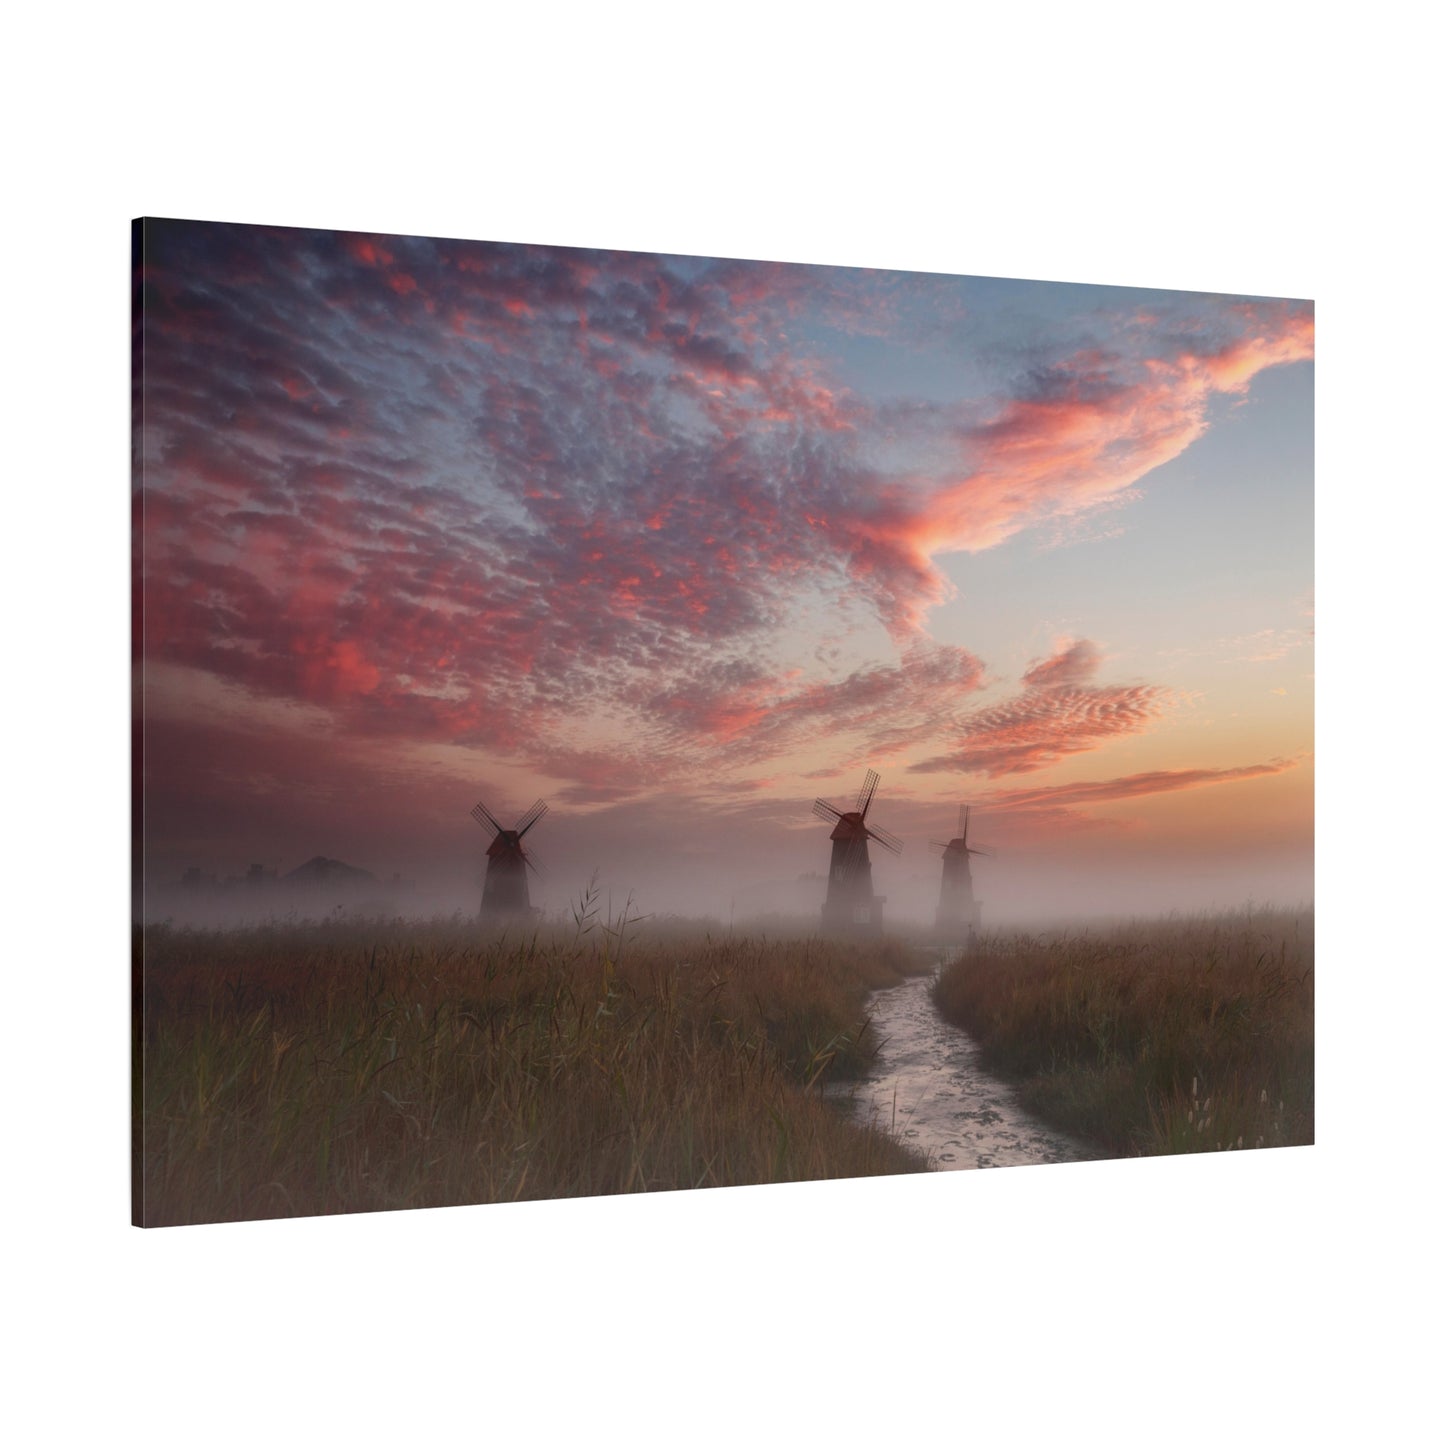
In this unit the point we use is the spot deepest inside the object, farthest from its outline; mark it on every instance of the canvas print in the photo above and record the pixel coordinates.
(609, 722)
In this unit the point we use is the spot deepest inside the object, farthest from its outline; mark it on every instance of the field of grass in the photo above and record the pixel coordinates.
(338, 1067)
(1171, 1036)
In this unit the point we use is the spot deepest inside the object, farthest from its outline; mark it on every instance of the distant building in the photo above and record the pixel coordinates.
(319, 885)
(328, 873)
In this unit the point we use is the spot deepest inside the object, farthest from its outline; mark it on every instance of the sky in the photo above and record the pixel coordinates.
(679, 544)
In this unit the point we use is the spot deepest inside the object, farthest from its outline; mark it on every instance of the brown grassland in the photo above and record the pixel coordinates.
(338, 1067)
(1170, 1036)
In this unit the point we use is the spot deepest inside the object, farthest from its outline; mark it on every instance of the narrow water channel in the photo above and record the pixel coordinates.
(926, 1089)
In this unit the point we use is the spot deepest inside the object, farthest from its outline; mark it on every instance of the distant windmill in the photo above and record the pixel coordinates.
(959, 914)
(851, 906)
(504, 892)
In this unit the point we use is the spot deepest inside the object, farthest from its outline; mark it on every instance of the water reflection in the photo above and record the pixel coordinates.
(927, 1089)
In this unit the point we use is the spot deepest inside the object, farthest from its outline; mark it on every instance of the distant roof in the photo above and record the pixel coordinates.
(328, 870)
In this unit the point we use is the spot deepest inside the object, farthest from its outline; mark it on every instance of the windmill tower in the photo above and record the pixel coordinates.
(851, 905)
(959, 914)
(504, 891)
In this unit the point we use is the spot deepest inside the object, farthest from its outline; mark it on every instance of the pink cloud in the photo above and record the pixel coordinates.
(1067, 805)
(1056, 716)
(1093, 425)
(1074, 662)
(892, 705)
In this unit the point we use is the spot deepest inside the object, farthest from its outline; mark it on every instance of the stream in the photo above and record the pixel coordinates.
(927, 1090)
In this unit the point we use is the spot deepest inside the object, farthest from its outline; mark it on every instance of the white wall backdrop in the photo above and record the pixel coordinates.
(1239, 148)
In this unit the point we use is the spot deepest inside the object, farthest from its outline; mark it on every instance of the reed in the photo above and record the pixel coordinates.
(1170, 1036)
(328, 1068)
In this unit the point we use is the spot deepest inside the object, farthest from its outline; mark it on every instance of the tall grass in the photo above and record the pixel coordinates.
(341, 1067)
(1170, 1036)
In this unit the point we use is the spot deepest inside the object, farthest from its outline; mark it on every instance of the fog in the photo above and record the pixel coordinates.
(755, 871)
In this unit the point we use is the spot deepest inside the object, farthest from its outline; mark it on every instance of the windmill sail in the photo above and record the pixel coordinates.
(851, 906)
(504, 887)
(959, 915)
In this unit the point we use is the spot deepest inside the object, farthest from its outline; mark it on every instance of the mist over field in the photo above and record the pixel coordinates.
(782, 877)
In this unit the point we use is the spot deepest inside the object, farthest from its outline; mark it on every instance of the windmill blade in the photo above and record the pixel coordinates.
(934, 843)
(865, 793)
(822, 808)
(531, 860)
(981, 852)
(532, 815)
(891, 842)
(480, 812)
(963, 814)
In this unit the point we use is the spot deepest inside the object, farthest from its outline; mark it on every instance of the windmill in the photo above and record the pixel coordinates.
(851, 906)
(504, 892)
(959, 914)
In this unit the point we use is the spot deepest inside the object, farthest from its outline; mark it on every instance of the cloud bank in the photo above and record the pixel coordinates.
(469, 492)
